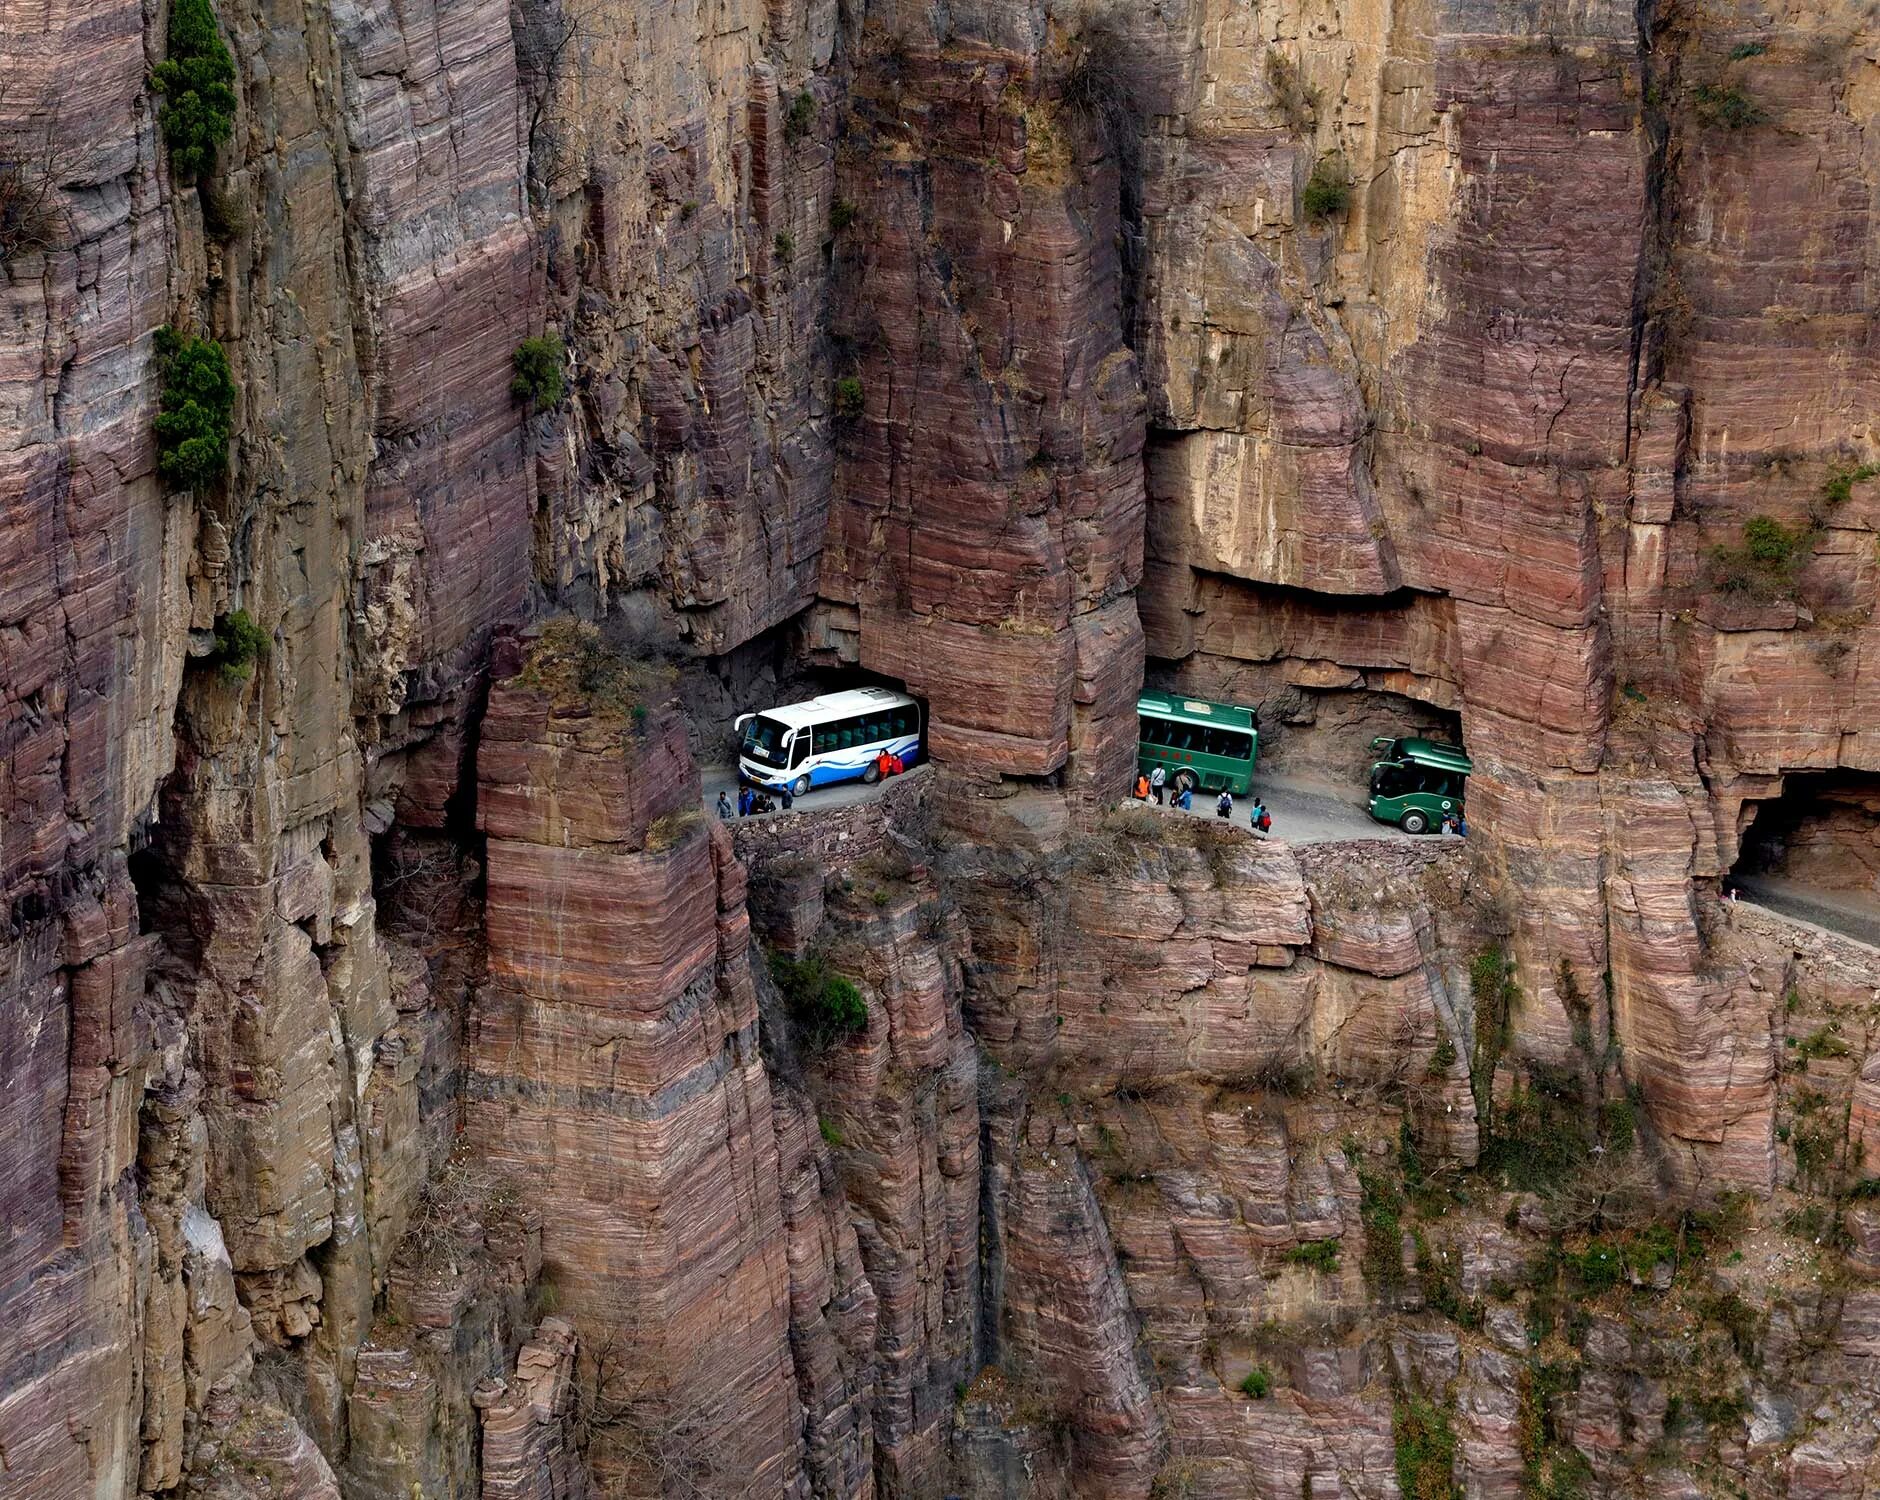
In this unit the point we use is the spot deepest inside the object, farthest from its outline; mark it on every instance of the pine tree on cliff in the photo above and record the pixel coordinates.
(197, 81)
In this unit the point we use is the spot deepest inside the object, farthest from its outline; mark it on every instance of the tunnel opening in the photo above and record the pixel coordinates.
(1818, 841)
(1318, 735)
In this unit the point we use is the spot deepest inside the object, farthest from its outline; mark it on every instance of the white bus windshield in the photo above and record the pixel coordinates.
(763, 740)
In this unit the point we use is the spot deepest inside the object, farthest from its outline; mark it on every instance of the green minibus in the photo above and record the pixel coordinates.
(1198, 744)
(1417, 783)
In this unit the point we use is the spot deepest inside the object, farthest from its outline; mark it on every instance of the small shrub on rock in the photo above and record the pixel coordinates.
(239, 644)
(571, 663)
(1426, 1449)
(1257, 1383)
(194, 410)
(1297, 100)
(841, 214)
(785, 246)
(1726, 105)
(827, 1006)
(1320, 1255)
(802, 115)
(1765, 563)
(1327, 191)
(197, 81)
(538, 364)
(849, 398)
(1838, 488)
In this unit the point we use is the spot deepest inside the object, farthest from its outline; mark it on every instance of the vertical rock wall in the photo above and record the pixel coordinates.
(987, 533)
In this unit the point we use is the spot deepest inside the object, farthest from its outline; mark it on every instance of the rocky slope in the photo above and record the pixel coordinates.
(396, 1100)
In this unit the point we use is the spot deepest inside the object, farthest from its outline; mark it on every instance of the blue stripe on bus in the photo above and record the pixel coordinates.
(839, 766)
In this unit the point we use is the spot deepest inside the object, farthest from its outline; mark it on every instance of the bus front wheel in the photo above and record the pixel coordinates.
(872, 774)
(800, 787)
(1185, 781)
(1415, 822)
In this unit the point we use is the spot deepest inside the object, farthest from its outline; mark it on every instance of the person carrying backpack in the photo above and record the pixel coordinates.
(1224, 807)
(1258, 818)
(1157, 778)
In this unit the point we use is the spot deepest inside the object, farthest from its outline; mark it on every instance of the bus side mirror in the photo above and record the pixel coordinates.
(741, 720)
(1381, 743)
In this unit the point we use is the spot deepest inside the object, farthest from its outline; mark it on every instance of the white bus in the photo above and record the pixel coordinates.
(837, 737)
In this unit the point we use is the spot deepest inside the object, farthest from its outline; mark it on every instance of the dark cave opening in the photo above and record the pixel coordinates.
(1821, 832)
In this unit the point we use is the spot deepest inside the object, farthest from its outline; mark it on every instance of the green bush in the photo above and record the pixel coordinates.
(826, 1005)
(239, 644)
(538, 365)
(1537, 1140)
(1765, 563)
(1320, 1255)
(1380, 1210)
(194, 409)
(841, 214)
(802, 115)
(849, 398)
(1838, 488)
(1491, 981)
(1256, 1383)
(197, 81)
(831, 1134)
(1727, 105)
(1327, 191)
(1597, 1268)
(1426, 1449)
(785, 246)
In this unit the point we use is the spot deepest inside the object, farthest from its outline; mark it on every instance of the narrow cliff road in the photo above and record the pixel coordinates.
(716, 779)
(1306, 812)
(1847, 912)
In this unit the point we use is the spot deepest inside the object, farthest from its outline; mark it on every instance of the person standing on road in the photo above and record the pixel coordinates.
(1142, 787)
(1258, 818)
(1224, 807)
(745, 796)
(784, 796)
(1157, 778)
(724, 806)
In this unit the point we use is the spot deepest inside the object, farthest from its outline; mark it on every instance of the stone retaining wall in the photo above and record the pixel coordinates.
(834, 837)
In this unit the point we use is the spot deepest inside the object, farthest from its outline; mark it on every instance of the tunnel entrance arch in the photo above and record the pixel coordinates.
(1813, 851)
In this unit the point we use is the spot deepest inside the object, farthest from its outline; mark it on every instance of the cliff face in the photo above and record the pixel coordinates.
(395, 1098)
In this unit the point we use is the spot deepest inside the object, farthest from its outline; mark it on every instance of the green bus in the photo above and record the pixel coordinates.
(1416, 783)
(1198, 744)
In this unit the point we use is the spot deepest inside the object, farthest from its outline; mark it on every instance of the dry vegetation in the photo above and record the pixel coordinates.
(572, 663)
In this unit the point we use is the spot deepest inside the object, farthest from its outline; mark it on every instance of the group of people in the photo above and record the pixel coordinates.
(1153, 783)
(753, 800)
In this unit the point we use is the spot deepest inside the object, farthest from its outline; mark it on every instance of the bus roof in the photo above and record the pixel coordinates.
(835, 706)
(1194, 710)
(1443, 757)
